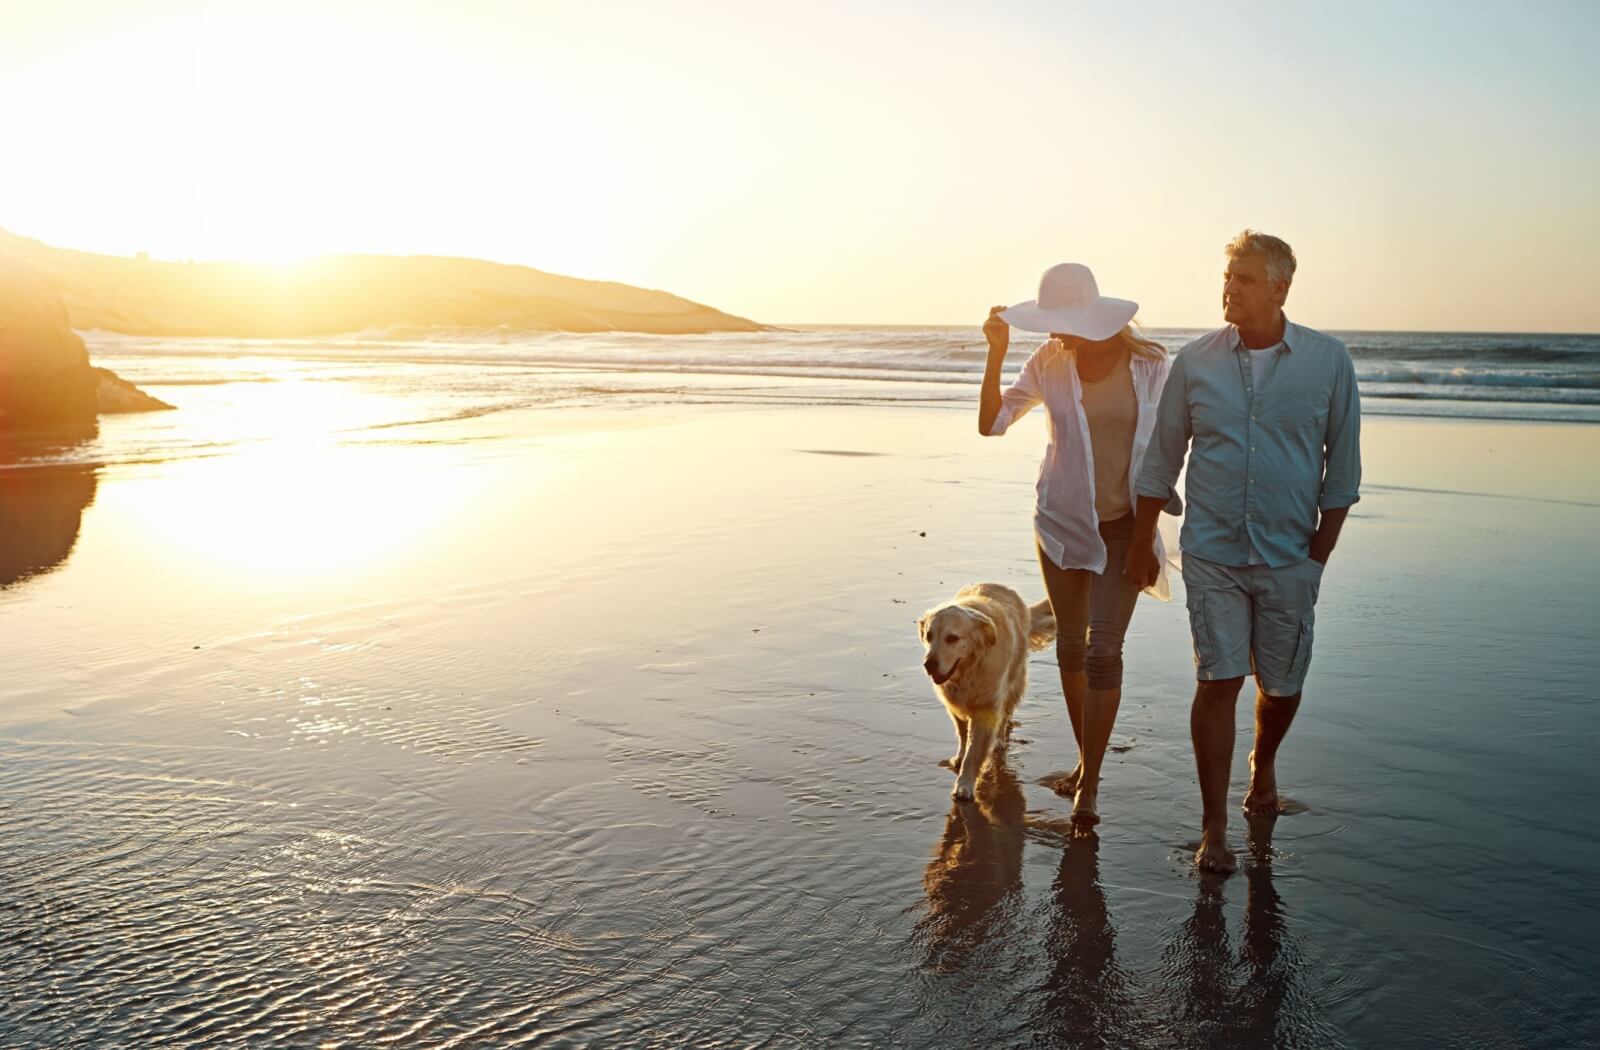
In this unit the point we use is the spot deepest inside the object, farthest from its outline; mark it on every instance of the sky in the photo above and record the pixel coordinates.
(1434, 165)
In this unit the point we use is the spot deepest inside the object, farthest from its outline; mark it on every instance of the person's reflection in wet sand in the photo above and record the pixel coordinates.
(1269, 965)
(974, 882)
(41, 509)
(1086, 997)
(1225, 1001)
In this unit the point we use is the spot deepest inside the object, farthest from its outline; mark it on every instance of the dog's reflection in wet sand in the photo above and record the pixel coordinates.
(973, 884)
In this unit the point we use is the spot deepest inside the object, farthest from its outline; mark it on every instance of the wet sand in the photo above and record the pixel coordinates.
(607, 728)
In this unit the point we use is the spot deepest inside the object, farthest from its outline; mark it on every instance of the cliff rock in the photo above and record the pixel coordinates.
(45, 378)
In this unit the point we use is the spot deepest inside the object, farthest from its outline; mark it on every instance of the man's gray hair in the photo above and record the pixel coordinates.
(1275, 251)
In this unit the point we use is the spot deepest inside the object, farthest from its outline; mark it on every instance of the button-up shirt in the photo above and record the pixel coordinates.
(1065, 520)
(1264, 460)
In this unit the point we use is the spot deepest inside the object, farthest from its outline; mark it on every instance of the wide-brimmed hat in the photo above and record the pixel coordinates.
(1070, 302)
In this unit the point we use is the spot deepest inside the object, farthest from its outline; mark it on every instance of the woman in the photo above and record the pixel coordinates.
(1099, 381)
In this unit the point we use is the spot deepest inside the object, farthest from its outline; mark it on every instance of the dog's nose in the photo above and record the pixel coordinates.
(929, 664)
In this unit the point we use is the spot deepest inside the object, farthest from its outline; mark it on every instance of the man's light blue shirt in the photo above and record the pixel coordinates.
(1264, 460)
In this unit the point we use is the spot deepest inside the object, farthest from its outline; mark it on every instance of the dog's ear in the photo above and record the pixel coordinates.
(986, 625)
(922, 626)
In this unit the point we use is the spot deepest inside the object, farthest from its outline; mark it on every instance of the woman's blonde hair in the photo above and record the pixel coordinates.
(1133, 340)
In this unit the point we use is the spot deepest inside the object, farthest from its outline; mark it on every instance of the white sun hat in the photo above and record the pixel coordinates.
(1070, 302)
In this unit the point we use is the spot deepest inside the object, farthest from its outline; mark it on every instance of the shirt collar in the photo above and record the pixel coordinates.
(1291, 335)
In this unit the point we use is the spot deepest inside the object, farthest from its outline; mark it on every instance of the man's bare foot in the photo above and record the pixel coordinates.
(1262, 798)
(1258, 837)
(1213, 854)
(1066, 785)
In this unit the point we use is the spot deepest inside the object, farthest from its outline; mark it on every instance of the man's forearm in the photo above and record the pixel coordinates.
(1145, 515)
(1327, 534)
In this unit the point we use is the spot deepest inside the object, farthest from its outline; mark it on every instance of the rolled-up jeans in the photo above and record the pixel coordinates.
(1092, 609)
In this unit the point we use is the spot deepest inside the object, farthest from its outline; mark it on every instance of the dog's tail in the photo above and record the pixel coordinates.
(1041, 625)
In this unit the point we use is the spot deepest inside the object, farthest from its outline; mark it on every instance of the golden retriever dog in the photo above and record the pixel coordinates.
(977, 656)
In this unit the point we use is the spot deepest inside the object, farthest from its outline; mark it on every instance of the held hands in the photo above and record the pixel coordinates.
(1142, 566)
(996, 331)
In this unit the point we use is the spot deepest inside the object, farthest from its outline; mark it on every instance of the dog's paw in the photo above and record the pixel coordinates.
(953, 763)
(961, 792)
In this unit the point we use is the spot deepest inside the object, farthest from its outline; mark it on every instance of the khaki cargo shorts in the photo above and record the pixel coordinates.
(1252, 619)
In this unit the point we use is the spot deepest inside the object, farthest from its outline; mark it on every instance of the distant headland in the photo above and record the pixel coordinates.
(337, 294)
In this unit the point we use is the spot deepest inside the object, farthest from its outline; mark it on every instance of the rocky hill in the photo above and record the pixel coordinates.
(348, 293)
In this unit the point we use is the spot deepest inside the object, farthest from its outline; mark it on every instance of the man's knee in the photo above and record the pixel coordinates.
(1219, 689)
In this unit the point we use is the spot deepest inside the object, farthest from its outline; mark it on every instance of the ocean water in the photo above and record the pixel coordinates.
(452, 373)
(482, 692)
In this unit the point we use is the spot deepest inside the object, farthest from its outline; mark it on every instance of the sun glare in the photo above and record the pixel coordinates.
(296, 503)
(303, 511)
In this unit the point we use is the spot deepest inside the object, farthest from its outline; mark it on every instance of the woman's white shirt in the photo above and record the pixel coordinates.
(1065, 519)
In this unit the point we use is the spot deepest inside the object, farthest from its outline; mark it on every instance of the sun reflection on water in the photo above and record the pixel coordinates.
(305, 506)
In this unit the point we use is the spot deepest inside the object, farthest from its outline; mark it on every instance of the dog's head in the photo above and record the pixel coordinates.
(956, 637)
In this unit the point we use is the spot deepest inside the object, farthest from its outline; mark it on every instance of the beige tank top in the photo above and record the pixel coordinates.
(1113, 413)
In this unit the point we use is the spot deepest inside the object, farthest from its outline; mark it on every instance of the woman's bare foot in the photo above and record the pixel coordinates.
(1213, 854)
(1262, 798)
(1085, 811)
(1084, 814)
(1066, 785)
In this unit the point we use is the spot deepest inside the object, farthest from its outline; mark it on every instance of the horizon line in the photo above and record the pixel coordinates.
(1189, 327)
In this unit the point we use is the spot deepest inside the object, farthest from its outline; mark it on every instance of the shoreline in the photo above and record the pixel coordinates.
(634, 394)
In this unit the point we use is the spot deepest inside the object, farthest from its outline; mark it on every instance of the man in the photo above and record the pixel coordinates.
(1274, 418)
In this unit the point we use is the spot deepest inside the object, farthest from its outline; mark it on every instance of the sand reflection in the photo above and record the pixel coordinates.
(41, 510)
(293, 512)
(1214, 988)
(1087, 997)
(974, 882)
(1225, 999)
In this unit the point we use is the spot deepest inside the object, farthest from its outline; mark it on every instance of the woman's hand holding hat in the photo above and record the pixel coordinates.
(997, 331)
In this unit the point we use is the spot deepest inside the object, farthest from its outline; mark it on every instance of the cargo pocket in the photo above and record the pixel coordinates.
(1205, 650)
(1302, 655)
